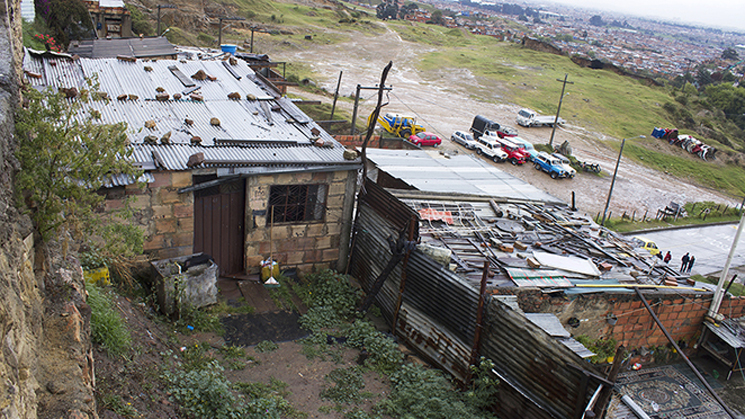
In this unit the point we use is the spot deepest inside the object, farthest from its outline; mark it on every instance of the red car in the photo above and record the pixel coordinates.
(425, 138)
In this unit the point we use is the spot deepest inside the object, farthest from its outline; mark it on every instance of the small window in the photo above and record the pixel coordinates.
(297, 203)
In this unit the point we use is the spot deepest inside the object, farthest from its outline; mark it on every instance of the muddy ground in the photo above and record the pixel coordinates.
(447, 100)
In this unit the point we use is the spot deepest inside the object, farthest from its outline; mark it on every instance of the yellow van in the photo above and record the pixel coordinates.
(645, 244)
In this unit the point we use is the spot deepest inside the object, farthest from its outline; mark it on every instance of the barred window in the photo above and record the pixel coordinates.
(297, 203)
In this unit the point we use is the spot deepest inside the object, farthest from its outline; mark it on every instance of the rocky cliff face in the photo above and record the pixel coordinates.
(45, 351)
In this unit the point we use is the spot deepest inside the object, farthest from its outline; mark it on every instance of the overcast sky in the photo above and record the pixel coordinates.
(726, 14)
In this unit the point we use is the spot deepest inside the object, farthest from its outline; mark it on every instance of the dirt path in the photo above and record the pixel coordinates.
(441, 101)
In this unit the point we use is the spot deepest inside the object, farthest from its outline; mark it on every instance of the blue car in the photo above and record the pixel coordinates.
(551, 165)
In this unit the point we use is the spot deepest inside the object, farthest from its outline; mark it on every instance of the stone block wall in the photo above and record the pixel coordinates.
(681, 314)
(166, 216)
(305, 246)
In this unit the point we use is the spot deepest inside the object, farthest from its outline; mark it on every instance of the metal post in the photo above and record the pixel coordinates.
(613, 181)
(252, 43)
(719, 293)
(356, 103)
(561, 98)
(336, 95)
(219, 34)
(163, 6)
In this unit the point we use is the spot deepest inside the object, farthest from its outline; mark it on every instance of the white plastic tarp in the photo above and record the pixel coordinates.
(567, 263)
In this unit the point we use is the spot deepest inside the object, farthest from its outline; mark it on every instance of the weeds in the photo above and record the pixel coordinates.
(107, 327)
(266, 346)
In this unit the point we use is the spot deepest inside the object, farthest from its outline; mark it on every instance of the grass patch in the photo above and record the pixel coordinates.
(107, 327)
(736, 289)
(699, 213)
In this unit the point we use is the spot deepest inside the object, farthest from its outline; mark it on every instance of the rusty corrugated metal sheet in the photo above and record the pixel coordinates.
(533, 364)
(438, 315)
(388, 206)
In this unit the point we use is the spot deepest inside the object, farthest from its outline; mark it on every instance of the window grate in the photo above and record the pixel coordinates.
(297, 203)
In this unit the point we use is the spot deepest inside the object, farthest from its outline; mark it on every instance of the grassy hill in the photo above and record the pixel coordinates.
(601, 102)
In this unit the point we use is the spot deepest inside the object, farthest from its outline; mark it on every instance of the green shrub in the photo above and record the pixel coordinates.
(421, 393)
(266, 346)
(107, 327)
(384, 355)
(348, 384)
(603, 348)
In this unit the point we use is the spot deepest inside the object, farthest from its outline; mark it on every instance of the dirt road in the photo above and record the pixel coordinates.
(443, 101)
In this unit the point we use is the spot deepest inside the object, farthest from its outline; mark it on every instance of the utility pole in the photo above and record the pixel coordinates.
(163, 6)
(357, 101)
(719, 293)
(561, 98)
(219, 33)
(336, 95)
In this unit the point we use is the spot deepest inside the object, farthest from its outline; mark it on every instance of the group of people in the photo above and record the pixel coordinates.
(687, 263)
(687, 259)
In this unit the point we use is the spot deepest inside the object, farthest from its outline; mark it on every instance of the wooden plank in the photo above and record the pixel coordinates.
(257, 296)
(186, 81)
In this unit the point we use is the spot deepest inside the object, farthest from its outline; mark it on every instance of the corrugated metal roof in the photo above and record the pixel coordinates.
(458, 174)
(262, 131)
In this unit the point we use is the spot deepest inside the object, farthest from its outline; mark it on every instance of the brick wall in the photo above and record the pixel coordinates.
(308, 246)
(166, 216)
(681, 314)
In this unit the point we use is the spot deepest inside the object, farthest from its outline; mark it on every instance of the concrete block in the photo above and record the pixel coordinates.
(506, 247)
(330, 255)
(167, 196)
(181, 179)
(520, 246)
(183, 210)
(314, 230)
(533, 263)
(165, 225)
(193, 286)
(162, 179)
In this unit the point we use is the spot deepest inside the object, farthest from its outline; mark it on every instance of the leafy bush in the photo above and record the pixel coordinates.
(603, 348)
(348, 383)
(384, 355)
(107, 327)
(421, 393)
(66, 156)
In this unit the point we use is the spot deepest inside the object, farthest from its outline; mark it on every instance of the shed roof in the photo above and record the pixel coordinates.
(460, 174)
(259, 130)
(146, 47)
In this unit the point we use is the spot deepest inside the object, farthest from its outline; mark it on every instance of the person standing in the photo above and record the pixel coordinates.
(684, 266)
(690, 264)
(668, 256)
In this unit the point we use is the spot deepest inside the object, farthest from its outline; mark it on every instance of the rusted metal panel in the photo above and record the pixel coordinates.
(388, 206)
(532, 364)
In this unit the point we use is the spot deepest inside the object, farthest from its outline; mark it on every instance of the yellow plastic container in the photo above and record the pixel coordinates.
(267, 273)
(94, 276)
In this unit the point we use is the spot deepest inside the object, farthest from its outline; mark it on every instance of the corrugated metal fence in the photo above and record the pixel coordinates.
(435, 312)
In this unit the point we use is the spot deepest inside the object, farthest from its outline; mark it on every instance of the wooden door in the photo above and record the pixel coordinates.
(218, 225)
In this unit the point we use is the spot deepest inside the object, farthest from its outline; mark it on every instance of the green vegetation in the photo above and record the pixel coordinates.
(737, 289)
(107, 327)
(698, 213)
(605, 349)
(266, 346)
(66, 156)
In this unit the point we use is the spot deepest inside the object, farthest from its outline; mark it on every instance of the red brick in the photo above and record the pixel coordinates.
(161, 179)
(183, 210)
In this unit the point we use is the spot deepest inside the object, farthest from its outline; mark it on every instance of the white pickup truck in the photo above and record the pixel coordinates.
(528, 118)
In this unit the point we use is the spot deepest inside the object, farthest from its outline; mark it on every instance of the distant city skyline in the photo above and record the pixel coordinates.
(725, 14)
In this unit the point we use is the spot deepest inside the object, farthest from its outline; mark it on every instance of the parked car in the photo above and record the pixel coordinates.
(491, 149)
(528, 118)
(465, 139)
(646, 244)
(525, 145)
(515, 154)
(551, 165)
(426, 138)
(567, 164)
(484, 126)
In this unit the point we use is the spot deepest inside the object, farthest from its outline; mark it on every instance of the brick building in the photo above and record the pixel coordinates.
(232, 169)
